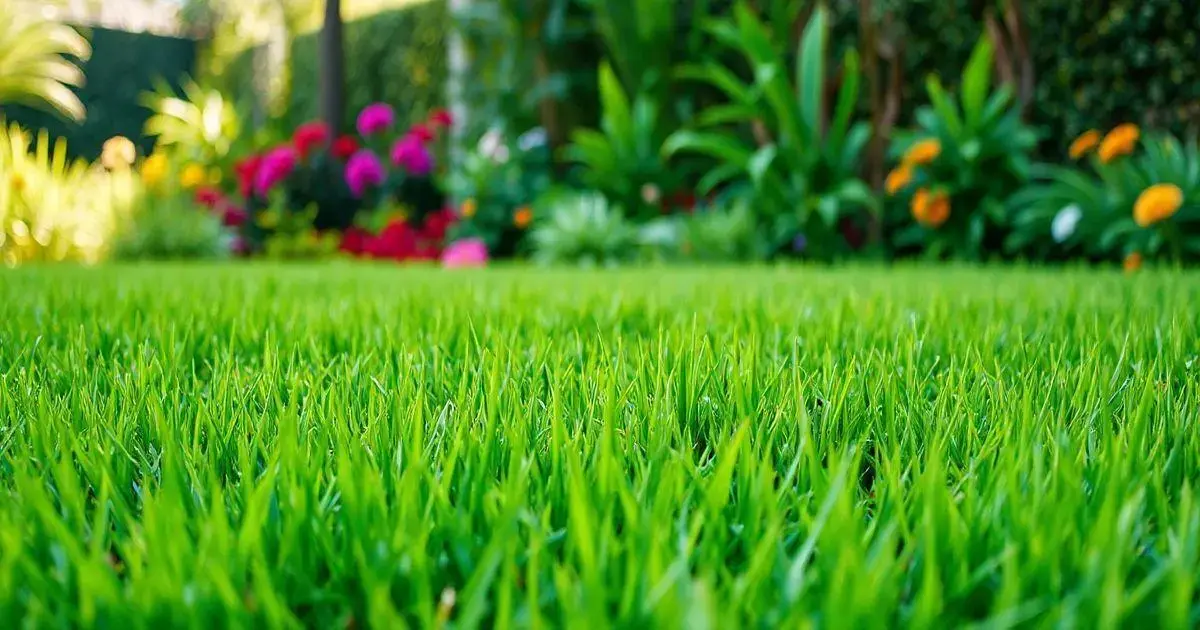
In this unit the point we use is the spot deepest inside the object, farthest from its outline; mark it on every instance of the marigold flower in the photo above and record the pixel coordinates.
(923, 152)
(899, 178)
(931, 209)
(154, 170)
(192, 177)
(1084, 144)
(1157, 203)
(468, 208)
(1132, 262)
(1120, 141)
(523, 217)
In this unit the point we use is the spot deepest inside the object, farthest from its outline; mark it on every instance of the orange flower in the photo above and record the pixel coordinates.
(1084, 144)
(899, 178)
(1120, 141)
(468, 208)
(523, 217)
(931, 209)
(1156, 203)
(1132, 262)
(923, 152)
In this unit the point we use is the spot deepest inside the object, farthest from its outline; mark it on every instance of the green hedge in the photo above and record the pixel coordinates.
(123, 66)
(397, 56)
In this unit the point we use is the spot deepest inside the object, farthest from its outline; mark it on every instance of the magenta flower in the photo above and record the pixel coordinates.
(410, 154)
(469, 252)
(275, 167)
(375, 118)
(363, 171)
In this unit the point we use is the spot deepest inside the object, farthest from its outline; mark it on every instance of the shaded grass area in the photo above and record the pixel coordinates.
(335, 446)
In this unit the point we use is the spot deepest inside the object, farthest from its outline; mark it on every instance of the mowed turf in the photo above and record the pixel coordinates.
(353, 446)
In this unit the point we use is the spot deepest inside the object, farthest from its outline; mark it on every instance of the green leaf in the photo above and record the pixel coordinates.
(847, 101)
(810, 69)
(760, 162)
(716, 145)
(976, 81)
(947, 111)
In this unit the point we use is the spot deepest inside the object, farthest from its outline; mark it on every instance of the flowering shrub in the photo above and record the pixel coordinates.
(958, 169)
(1126, 198)
(317, 194)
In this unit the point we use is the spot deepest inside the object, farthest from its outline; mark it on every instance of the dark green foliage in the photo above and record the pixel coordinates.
(397, 57)
(123, 66)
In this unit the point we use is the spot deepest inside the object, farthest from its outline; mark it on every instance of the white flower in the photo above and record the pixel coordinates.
(650, 194)
(532, 139)
(492, 146)
(1065, 222)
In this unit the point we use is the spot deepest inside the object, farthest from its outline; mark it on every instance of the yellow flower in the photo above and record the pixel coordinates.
(1084, 144)
(1120, 141)
(899, 178)
(118, 152)
(16, 181)
(193, 176)
(523, 217)
(154, 170)
(1132, 262)
(468, 209)
(923, 152)
(931, 209)
(1156, 203)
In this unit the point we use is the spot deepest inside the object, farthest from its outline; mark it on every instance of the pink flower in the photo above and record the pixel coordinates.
(469, 252)
(363, 171)
(375, 118)
(275, 167)
(310, 136)
(247, 171)
(410, 154)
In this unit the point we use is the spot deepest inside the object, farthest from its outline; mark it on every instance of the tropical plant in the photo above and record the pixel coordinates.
(54, 208)
(38, 62)
(624, 159)
(583, 228)
(1123, 202)
(803, 176)
(958, 168)
(201, 124)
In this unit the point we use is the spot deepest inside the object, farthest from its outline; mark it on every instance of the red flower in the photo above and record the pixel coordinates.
(233, 216)
(310, 136)
(421, 132)
(344, 147)
(354, 241)
(437, 224)
(246, 170)
(441, 118)
(397, 241)
(208, 197)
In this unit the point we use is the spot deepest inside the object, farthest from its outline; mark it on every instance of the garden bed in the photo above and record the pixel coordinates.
(351, 446)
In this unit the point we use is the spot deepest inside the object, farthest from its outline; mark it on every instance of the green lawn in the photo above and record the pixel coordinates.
(355, 446)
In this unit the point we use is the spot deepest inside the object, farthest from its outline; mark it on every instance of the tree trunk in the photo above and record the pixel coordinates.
(332, 83)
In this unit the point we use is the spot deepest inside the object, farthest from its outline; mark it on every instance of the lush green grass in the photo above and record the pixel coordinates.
(282, 446)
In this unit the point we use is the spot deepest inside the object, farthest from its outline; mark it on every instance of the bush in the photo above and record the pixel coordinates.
(376, 181)
(1125, 199)
(958, 169)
